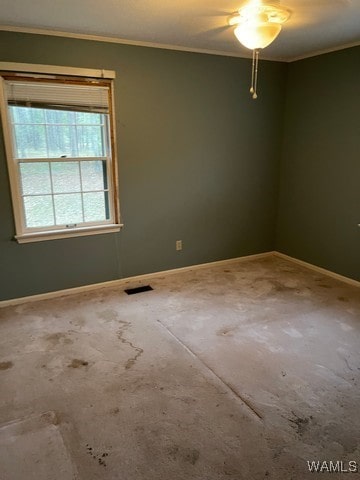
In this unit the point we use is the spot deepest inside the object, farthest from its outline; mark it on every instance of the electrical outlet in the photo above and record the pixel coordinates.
(178, 245)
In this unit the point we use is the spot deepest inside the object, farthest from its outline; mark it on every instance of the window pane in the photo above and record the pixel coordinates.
(39, 211)
(93, 175)
(45, 132)
(61, 141)
(68, 208)
(59, 116)
(95, 206)
(90, 142)
(35, 178)
(65, 177)
(27, 115)
(30, 141)
(85, 117)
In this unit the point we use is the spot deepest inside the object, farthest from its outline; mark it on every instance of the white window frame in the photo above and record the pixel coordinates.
(71, 75)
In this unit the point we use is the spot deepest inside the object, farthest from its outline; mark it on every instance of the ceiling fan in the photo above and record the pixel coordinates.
(259, 22)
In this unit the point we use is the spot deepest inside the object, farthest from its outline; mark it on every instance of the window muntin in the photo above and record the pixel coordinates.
(62, 154)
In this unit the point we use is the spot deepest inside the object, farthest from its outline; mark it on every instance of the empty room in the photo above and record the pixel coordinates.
(179, 240)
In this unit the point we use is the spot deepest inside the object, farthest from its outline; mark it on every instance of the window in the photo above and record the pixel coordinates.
(60, 147)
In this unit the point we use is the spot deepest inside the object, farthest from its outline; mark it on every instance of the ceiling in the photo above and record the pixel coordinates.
(315, 26)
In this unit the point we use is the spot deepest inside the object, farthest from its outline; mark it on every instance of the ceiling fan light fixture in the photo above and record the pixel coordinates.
(257, 25)
(255, 36)
(260, 11)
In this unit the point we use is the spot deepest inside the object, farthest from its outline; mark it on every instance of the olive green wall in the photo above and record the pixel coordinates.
(198, 161)
(319, 207)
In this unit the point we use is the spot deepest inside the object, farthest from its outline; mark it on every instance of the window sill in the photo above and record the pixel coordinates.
(67, 233)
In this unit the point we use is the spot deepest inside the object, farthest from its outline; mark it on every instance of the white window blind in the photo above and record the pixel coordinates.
(58, 96)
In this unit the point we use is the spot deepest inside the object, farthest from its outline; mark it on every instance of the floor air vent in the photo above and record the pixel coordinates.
(132, 291)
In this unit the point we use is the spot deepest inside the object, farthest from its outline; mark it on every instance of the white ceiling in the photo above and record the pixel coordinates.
(315, 25)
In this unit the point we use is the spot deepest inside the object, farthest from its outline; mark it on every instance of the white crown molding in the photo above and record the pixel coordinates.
(138, 43)
(123, 41)
(324, 51)
(101, 38)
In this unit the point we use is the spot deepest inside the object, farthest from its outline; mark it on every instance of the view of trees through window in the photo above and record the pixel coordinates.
(63, 169)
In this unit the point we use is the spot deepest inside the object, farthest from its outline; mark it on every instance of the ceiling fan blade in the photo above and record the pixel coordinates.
(217, 13)
(213, 32)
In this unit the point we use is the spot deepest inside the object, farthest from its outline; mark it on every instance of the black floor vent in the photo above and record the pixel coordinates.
(132, 291)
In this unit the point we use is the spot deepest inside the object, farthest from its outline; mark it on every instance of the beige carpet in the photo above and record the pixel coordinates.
(33, 449)
(243, 372)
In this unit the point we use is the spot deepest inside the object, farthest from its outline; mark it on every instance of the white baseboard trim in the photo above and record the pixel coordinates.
(329, 273)
(139, 279)
(133, 281)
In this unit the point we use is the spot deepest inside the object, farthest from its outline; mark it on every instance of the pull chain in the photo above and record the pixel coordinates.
(254, 73)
